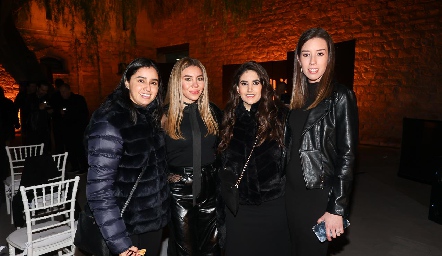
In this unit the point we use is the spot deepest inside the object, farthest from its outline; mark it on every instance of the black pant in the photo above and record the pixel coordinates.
(151, 241)
(304, 207)
(193, 227)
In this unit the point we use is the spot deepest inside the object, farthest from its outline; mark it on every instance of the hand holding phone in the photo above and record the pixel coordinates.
(320, 232)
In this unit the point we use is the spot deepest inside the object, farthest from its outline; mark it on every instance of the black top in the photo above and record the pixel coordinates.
(180, 152)
(297, 121)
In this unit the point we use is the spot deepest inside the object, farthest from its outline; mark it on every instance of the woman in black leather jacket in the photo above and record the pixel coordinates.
(191, 125)
(124, 136)
(252, 133)
(321, 137)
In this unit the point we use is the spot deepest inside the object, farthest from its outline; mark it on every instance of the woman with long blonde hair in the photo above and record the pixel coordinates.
(191, 125)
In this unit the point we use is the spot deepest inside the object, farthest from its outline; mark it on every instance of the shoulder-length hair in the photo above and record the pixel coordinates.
(325, 89)
(174, 98)
(270, 126)
(121, 93)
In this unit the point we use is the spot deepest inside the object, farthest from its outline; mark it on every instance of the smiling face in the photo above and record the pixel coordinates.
(143, 86)
(314, 59)
(192, 82)
(249, 88)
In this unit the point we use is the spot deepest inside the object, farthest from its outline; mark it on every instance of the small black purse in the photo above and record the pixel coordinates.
(229, 184)
(229, 192)
(88, 237)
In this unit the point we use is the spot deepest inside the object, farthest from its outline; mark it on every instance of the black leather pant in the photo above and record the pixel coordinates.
(193, 227)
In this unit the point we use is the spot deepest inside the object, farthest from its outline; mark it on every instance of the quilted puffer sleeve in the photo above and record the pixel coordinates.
(105, 149)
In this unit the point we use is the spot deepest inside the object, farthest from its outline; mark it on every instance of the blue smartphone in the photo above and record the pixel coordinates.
(319, 230)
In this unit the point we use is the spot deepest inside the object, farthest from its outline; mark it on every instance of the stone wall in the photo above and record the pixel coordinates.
(397, 67)
(9, 85)
(398, 52)
(90, 69)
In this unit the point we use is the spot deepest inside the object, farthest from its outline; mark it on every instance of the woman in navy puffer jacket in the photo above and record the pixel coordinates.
(123, 136)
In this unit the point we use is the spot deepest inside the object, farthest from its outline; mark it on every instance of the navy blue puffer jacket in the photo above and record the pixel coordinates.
(118, 149)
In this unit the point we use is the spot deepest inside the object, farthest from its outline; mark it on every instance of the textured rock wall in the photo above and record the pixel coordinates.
(398, 52)
(397, 65)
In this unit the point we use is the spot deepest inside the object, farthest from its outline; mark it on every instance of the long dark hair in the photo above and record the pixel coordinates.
(121, 93)
(270, 127)
(299, 94)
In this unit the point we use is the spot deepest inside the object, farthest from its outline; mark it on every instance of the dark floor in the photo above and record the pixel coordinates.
(389, 214)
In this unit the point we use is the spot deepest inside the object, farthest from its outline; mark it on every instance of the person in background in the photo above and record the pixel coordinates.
(252, 140)
(73, 117)
(8, 123)
(322, 139)
(56, 118)
(124, 136)
(38, 123)
(281, 92)
(9, 119)
(191, 125)
(21, 103)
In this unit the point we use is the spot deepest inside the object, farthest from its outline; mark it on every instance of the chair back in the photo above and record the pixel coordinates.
(50, 201)
(17, 156)
(60, 161)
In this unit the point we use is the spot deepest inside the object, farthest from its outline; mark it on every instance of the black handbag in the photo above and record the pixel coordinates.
(229, 185)
(229, 192)
(88, 237)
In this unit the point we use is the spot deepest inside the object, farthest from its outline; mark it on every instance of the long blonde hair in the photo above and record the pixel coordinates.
(174, 98)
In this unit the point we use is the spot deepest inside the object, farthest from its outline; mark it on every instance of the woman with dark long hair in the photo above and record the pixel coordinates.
(322, 140)
(252, 150)
(124, 137)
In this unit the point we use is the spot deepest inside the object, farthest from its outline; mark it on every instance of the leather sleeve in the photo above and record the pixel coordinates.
(105, 149)
(346, 146)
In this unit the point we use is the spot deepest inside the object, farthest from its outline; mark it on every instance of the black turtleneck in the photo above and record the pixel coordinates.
(297, 121)
(180, 152)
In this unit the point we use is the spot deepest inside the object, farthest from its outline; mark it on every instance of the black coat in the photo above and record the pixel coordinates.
(264, 178)
(117, 151)
(76, 114)
(8, 120)
(328, 147)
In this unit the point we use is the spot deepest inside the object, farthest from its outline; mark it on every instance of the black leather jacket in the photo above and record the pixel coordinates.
(328, 147)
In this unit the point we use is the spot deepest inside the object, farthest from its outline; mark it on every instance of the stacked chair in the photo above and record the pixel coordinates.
(50, 224)
(17, 156)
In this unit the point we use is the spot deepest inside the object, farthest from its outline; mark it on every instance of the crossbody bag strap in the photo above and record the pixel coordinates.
(245, 165)
(132, 191)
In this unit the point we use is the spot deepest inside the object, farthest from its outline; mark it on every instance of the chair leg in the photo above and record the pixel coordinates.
(8, 205)
(11, 250)
(12, 215)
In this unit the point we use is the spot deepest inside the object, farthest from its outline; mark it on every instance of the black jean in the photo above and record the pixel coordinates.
(193, 227)
(151, 241)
